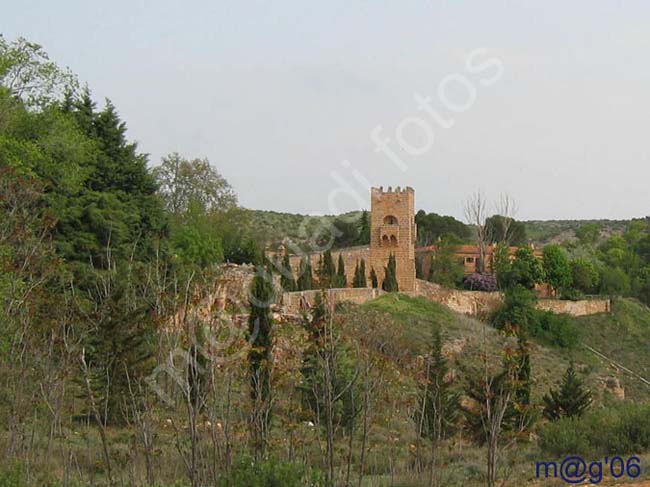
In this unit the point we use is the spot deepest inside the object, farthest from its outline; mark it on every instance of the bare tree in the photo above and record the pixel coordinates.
(476, 214)
(506, 209)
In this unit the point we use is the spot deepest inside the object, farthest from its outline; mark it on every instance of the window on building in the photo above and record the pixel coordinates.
(469, 260)
(390, 220)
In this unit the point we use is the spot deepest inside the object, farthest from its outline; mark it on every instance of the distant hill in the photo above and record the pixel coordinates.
(554, 231)
(273, 226)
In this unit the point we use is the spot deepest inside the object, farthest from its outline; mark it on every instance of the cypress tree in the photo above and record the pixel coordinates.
(287, 280)
(326, 270)
(341, 280)
(360, 274)
(390, 280)
(373, 278)
(570, 400)
(305, 279)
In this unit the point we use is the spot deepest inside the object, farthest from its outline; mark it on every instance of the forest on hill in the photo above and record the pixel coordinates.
(112, 372)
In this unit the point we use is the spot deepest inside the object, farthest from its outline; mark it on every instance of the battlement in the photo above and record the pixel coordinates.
(390, 190)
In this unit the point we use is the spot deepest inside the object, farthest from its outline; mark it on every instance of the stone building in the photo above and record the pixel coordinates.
(393, 231)
(392, 223)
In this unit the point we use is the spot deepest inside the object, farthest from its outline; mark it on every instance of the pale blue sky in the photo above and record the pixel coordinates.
(277, 94)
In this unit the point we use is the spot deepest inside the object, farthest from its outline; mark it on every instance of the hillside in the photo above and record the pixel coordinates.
(623, 336)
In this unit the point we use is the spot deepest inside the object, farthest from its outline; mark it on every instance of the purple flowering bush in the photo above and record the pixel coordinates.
(481, 282)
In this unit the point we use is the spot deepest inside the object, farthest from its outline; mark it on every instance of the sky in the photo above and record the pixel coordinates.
(303, 105)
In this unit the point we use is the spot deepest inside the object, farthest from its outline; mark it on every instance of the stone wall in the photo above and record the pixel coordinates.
(475, 303)
(293, 302)
(583, 307)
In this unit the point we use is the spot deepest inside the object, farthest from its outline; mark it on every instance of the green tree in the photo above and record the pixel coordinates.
(585, 276)
(506, 230)
(438, 401)
(346, 231)
(340, 279)
(525, 270)
(260, 357)
(27, 72)
(571, 399)
(431, 227)
(184, 182)
(305, 280)
(360, 275)
(614, 281)
(326, 270)
(517, 314)
(390, 272)
(287, 280)
(446, 268)
(557, 268)
(588, 233)
(364, 230)
(373, 278)
(120, 345)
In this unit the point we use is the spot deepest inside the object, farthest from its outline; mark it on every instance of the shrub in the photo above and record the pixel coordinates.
(519, 312)
(621, 429)
(13, 477)
(269, 473)
(481, 282)
(558, 330)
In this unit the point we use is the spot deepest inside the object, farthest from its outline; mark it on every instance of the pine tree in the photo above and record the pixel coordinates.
(123, 340)
(287, 280)
(305, 279)
(570, 400)
(390, 280)
(438, 401)
(341, 280)
(362, 274)
(364, 231)
(373, 278)
(260, 356)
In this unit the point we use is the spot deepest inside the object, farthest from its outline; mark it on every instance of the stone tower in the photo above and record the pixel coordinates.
(392, 224)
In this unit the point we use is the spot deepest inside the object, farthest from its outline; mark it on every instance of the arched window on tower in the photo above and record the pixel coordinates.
(384, 241)
(390, 220)
(393, 241)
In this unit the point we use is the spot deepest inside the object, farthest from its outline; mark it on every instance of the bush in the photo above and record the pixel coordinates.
(13, 477)
(481, 282)
(519, 312)
(558, 330)
(269, 473)
(614, 281)
(621, 430)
